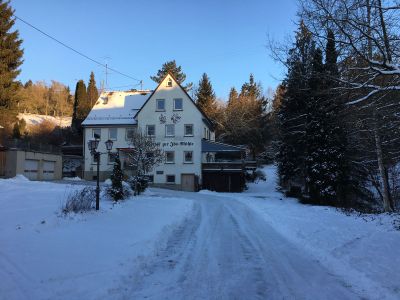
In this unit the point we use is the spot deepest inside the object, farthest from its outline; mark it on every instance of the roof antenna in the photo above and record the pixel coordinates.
(141, 85)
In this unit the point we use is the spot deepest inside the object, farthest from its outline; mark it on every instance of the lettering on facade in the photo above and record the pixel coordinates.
(174, 144)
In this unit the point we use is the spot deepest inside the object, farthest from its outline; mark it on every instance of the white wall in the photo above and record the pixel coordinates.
(189, 115)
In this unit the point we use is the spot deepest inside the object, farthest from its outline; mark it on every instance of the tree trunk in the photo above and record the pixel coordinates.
(384, 178)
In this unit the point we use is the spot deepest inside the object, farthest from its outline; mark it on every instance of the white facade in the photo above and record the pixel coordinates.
(168, 113)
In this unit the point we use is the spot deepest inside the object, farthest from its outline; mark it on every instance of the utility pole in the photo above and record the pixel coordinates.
(106, 76)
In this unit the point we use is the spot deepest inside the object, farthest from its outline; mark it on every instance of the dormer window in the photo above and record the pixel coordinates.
(169, 82)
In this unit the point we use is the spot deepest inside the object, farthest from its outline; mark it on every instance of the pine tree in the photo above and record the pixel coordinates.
(292, 113)
(92, 92)
(10, 61)
(81, 107)
(233, 96)
(117, 191)
(176, 71)
(205, 96)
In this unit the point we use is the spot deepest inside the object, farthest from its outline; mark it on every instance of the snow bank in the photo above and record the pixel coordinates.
(45, 255)
(73, 178)
(18, 178)
(364, 250)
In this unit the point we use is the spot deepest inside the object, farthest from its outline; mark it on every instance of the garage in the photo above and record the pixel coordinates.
(48, 170)
(31, 169)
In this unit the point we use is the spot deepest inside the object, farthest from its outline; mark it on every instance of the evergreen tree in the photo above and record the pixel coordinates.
(10, 61)
(233, 96)
(116, 191)
(81, 107)
(205, 96)
(293, 110)
(176, 71)
(92, 92)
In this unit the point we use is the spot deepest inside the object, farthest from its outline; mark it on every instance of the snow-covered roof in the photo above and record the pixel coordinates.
(116, 108)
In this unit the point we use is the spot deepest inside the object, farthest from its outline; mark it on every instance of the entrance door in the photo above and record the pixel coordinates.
(187, 182)
(31, 167)
(48, 170)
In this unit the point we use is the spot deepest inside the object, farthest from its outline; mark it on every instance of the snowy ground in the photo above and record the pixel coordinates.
(35, 119)
(177, 245)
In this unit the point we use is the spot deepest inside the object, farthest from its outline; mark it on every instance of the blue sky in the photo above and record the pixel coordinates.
(225, 39)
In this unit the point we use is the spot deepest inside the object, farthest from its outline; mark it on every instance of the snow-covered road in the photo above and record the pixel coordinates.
(225, 250)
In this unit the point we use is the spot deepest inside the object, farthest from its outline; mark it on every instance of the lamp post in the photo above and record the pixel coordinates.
(93, 144)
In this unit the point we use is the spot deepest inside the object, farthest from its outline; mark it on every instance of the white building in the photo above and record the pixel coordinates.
(167, 113)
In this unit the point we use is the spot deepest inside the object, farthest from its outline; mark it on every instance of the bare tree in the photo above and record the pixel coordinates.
(146, 153)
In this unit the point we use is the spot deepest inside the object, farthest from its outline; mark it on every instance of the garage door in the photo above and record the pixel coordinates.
(188, 182)
(31, 167)
(48, 170)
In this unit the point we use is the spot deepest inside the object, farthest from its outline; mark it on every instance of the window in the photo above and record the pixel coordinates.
(188, 157)
(170, 178)
(96, 133)
(160, 104)
(149, 155)
(169, 82)
(170, 130)
(129, 133)
(178, 104)
(151, 130)
(150, 178)
(169, 157)
(111, 157)
(205, 133)
(188, 129)
(112, 134)
(159, 172)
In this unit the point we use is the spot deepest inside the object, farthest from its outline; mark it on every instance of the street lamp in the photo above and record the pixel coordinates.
(93, 144)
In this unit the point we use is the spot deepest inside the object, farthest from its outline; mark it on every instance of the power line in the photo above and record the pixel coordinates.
(76, 51)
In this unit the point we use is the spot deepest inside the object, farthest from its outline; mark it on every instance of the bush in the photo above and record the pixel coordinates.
(80, 201)
(110, 192)
(138, 184)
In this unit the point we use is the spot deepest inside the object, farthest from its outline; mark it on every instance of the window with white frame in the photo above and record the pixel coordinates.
(178, 104)
(170, 178)
(169, 157)
(151, 130)
(188, 157)
(169, 82)
(160, 104)
(170, 130)
(112, 134)
(188, 129)
(96, 133)
(129, 133)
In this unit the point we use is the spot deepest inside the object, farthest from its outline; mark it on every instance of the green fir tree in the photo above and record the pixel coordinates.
(205, 96)
(175, 71)
(92, 92)
(10, 61)
(117, 191)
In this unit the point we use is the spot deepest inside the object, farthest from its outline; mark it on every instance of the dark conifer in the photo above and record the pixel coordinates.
(205, 96)
(176, 71)
(10, 61)
(117, 191)
(92, 92)
(81, 107)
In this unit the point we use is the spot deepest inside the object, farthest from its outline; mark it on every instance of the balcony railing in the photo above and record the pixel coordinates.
(233, 166)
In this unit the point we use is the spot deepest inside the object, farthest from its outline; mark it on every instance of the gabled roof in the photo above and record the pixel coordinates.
(117, 108)
(211, 146)
(206, 120)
